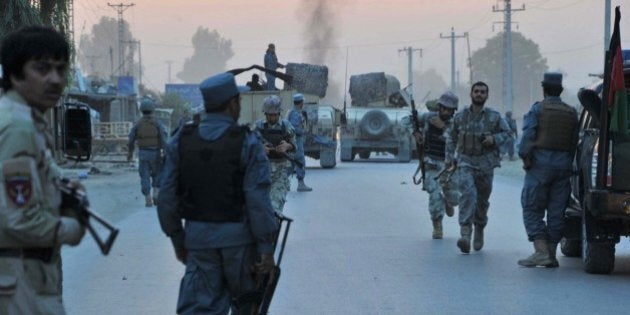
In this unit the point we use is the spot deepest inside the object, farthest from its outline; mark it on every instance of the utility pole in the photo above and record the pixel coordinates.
(452, 37)
(134, 42)
(470, 67)
(169, 63)
(120, 8)
(507, 52)
(410, 51)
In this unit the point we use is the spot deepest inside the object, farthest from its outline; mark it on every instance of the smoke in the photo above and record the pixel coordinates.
(321, 35)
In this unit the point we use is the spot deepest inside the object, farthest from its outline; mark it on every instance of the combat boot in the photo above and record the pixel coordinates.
(539, 258)
(552, 255)
(437, 229)
(478, 237)
(302, 186)
(464, 241)
(156, 191)
(148, 201)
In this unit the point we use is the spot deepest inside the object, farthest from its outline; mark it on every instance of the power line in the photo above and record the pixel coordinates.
(507, 52)
(452, 37)
(120, 8)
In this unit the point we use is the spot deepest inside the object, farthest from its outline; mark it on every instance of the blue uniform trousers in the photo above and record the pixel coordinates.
(214, 278)
(299, 155)
(545, 190)
(150, 168)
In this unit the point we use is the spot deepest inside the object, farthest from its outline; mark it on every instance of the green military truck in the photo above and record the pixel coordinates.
(374, 121)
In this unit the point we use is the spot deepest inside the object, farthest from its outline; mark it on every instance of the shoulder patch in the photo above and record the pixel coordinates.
(21, 182)
(18, 188)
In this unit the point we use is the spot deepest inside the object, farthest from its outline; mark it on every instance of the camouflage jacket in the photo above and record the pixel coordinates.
(468, 125)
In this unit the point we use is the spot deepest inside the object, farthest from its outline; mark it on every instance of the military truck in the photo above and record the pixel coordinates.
(323, 120)
(599, 208)
(374, 119)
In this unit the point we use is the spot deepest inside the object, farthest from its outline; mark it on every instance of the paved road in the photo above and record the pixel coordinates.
(360, 244)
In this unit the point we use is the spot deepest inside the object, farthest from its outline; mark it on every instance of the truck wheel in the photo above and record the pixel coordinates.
(327, 158)
(364, 155)
(597, 257)
(375, 124)
(571, 248)
(347, 155)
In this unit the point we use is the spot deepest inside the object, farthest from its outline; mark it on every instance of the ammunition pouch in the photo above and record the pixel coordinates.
(470, 143)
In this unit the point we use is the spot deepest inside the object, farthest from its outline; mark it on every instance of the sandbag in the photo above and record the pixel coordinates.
(368, 87)
(308, 78)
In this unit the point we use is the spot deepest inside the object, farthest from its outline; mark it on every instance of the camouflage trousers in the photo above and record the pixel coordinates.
(280, 183)
(475, 187)
(442, 191)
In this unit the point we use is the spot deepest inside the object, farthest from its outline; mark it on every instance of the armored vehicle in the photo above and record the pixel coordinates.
(322, 119)
(599, 209)
(374, 120)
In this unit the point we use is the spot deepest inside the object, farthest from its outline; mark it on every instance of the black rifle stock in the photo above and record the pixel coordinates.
(79, 202)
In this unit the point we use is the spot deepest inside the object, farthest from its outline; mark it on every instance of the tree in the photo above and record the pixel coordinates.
(528, 67)
(211, 53)
(17, 13)
(98, 51)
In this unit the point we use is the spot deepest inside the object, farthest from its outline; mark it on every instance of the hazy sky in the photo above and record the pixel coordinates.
(570, 33)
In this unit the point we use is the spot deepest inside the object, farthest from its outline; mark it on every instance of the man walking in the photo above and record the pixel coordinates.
(297, 118)
(550, 136)
(472, 145)
(35, 222)
(279, 139)
(151, 138)
(216, 178)
(442, 189)
(508, 148)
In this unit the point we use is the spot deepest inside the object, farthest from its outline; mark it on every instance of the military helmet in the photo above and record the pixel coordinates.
(147, 105)
(448, 100)
(272, 105)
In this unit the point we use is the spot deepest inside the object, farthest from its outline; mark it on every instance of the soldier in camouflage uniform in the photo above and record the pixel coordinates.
(151, 138)
(33, 223)
(442, 188)
(279, 138)
(472, 145)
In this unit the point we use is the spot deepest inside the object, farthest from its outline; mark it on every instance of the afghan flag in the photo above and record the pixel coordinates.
(617, 98)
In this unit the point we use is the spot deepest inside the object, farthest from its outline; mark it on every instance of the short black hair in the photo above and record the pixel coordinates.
(479, 83)
(217, 109)
(28, 43)
(552, 90)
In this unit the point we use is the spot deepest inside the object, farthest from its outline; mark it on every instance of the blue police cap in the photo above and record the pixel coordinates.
(552, 79)
(298, 97)
(219, 88)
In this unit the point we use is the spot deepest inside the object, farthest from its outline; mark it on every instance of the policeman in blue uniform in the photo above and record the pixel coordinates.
(150, 135)
(216, 178)
(550, 136)
(297, 119)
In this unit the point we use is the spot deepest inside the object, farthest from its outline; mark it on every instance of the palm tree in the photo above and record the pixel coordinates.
(17, 13)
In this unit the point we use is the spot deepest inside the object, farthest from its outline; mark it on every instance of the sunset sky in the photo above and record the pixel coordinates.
(569, 32)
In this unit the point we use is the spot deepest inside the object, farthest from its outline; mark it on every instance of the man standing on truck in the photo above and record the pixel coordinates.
(297, 118)
(442, 189)
(279, 138)
(472, 145)
(151, 138)
(550, 136)
(271, 63)
(216, 178)
(35, 221)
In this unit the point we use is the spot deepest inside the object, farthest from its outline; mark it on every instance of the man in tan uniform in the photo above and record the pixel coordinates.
(32, 224)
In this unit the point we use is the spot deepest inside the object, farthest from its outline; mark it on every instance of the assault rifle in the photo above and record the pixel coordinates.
(266, 284)
(78, 201)
(286, 155)
(419, 146)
